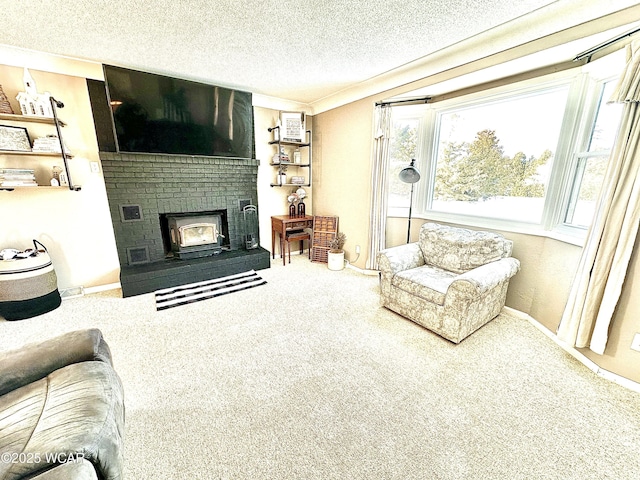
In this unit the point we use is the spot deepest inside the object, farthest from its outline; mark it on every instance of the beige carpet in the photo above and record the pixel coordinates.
(307, 377)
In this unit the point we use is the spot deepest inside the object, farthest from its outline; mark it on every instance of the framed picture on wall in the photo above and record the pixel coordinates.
(293, 127)
(15, 139)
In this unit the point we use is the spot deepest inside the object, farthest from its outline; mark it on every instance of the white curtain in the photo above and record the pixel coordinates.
(379, 184)
(607, 251)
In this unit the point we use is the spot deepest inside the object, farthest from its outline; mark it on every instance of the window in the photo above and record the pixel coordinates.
(592, 162)
(405, 127)
(494, 158)
(530, 156)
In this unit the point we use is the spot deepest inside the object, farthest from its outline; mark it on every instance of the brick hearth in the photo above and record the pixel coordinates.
(151, 185)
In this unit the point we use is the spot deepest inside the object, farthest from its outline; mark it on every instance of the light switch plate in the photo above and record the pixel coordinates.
(95, 168)
(635, 344)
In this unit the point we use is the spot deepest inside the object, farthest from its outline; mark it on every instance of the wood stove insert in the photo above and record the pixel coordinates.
(194, 234)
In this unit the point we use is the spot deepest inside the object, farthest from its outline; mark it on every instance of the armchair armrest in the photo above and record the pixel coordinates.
(403, 257)
(482, 279)
(37, 360)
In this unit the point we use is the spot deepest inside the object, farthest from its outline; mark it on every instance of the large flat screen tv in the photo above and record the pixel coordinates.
(159, 114)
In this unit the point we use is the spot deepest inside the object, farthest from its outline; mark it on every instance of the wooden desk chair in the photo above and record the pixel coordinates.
(297, 235)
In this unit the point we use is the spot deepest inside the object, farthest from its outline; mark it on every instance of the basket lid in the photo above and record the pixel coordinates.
(20, 265)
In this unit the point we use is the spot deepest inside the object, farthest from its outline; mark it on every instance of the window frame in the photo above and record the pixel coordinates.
(411, 113)
(593, 101)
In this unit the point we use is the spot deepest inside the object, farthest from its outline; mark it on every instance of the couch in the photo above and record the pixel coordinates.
(451, 281)
(61, 410)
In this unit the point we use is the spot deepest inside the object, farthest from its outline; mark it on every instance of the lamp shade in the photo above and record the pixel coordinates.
(410, 174)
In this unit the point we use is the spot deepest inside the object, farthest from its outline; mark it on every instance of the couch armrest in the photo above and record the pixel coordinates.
(397, 259)
(37, 360)
(403, 257)
(482, 279)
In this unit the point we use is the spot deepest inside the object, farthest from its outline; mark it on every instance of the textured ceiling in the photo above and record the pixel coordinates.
(300, 50)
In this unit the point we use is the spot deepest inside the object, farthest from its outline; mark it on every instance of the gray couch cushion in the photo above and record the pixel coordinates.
(78, 409)
(459, 249)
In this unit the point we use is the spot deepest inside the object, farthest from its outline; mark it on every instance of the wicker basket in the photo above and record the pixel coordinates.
(28, 286)
(324, 230)
(5, 106)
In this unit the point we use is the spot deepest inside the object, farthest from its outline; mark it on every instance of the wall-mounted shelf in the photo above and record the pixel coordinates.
(284, 165)
(58, 124)
(12, 117)
(39, 187)
(293, 144)
(34, 154)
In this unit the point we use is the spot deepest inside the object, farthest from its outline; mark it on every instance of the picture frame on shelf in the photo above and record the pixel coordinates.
(293, 127)
(14, 139)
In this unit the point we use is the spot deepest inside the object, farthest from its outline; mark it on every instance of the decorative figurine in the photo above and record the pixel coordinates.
(32, 102)
(5, 106)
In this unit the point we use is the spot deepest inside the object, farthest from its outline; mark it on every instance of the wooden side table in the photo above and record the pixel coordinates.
(281, 224)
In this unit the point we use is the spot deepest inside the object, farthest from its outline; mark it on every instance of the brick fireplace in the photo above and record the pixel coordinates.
(143, 188)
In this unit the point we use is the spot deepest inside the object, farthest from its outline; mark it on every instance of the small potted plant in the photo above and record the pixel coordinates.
(282, 175)
(335, 256)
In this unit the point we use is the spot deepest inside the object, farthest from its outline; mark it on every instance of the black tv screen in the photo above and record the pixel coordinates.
(158, 114)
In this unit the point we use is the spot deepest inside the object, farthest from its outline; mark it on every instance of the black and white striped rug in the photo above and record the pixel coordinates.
(194, 292)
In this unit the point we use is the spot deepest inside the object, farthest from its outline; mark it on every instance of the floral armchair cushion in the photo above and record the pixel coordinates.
(459, 249)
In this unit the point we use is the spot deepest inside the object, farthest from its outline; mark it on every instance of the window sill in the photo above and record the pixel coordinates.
(562, 234)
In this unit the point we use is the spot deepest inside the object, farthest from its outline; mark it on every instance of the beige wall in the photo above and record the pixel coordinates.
(618, 357)
(342, 172)
(540, 289)
(74, 226)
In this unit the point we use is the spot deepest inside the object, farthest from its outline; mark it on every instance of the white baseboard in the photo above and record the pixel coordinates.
(71, 292)
(590, 364)
(103, 288)
(364, 271)
(346, 263)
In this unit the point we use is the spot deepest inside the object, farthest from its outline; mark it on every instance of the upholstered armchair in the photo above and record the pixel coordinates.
(452, 281)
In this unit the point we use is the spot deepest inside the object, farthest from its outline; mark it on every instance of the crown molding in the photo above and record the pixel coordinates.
(275, 103)
(47, 62)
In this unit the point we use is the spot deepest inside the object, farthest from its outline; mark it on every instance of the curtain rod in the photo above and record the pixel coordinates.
(584, 57)
(588, 53)
(408, 101)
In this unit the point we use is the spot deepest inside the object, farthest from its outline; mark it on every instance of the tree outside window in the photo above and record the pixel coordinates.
(494, 158)
(479, 171)
(402, 148)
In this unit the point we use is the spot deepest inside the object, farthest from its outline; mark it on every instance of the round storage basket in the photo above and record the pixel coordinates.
(28, 286)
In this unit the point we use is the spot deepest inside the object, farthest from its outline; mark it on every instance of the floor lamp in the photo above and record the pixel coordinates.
(410, 175)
